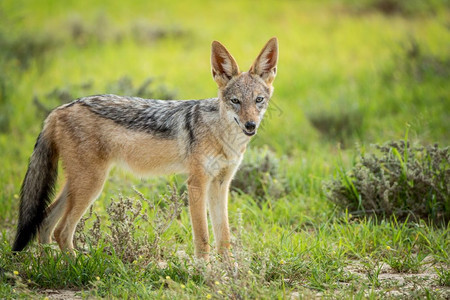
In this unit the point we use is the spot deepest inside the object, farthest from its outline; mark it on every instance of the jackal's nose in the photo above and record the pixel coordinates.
(250, 126)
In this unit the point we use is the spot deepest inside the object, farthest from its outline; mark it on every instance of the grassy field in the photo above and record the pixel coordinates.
(350, 74)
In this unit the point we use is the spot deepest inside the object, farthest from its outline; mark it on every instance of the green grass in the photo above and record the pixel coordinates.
(373, 76)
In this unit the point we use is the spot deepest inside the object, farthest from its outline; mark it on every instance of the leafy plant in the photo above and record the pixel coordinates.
(403, 180)
(126, 216)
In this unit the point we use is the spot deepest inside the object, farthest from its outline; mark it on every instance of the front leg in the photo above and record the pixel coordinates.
(198, 184)
(218, 210)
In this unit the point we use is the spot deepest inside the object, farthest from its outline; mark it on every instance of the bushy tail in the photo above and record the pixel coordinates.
(37, 190)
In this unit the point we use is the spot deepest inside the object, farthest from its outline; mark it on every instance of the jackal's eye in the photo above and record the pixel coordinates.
(259, 99)
(234, 100)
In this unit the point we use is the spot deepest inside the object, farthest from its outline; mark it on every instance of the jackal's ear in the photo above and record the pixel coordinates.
(223, 65)
(265, 64)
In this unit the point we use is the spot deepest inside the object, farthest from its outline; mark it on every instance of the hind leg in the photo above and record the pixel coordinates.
(54, 213)
(83, 189)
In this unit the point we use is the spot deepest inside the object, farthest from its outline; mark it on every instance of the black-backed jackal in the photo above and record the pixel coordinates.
(204, 138)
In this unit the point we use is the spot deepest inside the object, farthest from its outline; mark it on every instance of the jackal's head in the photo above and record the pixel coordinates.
(244, 96)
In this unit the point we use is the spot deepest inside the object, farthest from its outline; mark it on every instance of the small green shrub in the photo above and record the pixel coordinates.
(260, 175)
(339, 122)
(414, 64)
(397, 7)
(24, 48)
(421, 64)
(100, 30)
(126, 218)
(5, 104)
(143, 32)
(123, 86)
(403, 180)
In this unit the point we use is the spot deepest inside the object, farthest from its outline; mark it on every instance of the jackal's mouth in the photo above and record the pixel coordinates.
(245, 131)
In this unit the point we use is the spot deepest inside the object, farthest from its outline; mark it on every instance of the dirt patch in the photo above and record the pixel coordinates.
(393, 284)
(61, 294)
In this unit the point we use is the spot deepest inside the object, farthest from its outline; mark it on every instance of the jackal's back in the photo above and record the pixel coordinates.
(161, 118)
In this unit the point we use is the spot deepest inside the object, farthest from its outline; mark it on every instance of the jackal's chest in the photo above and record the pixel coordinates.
(223, 151)
(214, 165)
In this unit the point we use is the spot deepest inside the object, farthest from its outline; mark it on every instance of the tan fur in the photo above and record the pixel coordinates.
(88, 145)
(88, 154)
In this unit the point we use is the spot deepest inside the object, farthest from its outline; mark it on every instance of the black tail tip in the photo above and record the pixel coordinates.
(18, 247)
(21, 242)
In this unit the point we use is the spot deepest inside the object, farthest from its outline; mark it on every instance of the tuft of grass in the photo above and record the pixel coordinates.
(373, 271)
(405, 260)
(443, 275)
(403, 180)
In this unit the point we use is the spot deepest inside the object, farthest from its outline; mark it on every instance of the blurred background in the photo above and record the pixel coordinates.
(350, 72)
